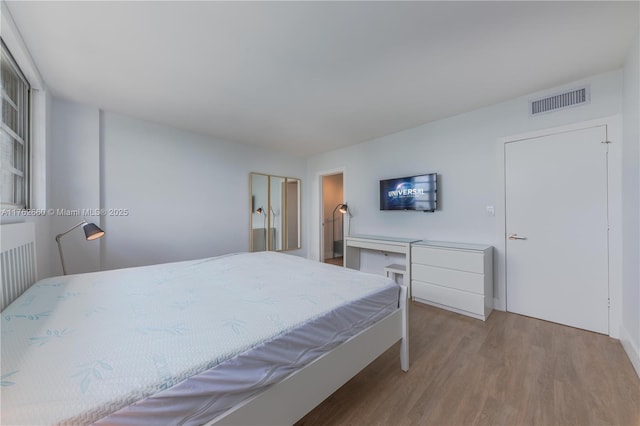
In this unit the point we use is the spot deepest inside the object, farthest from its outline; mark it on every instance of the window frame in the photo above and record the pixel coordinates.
(27, 111)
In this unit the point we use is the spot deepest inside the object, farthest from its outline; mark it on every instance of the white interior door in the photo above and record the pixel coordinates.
(556, 214)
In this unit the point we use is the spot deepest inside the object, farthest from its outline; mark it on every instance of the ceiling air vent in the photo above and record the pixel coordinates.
(568, 99)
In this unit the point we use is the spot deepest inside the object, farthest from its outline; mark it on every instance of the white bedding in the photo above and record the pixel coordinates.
(180, 341)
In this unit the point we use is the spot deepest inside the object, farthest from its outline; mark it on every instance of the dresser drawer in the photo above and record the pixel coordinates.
(452, 278)
(453, 298)
(471, 261)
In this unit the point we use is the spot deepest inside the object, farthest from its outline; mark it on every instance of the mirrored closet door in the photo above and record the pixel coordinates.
(275, 212)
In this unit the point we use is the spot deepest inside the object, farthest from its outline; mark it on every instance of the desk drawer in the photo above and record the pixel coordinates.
(457, 299)
(452, 278)
(463, 260)
(379, 246)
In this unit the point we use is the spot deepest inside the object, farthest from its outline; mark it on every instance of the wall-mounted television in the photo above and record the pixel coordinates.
(410, 193)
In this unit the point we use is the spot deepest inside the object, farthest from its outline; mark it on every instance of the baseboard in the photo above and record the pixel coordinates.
(631, 349)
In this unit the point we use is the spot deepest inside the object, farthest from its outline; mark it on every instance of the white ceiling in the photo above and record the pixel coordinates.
(308, 77)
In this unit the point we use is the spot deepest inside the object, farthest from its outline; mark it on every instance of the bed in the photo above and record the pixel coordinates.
(248, 338)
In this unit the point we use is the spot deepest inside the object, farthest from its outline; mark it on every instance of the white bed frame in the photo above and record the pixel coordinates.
(290, 399)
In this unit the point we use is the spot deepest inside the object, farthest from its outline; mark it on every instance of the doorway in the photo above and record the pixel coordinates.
(332, 221)
(556, 220)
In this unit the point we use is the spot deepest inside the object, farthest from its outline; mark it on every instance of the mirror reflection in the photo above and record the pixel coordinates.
(275, 212)
(259, 207)
(292, 214)
(276, 207)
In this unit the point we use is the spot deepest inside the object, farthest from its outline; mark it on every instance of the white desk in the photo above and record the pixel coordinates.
(353, 244)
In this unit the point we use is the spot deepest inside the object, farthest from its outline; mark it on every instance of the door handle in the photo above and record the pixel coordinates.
(516, 237)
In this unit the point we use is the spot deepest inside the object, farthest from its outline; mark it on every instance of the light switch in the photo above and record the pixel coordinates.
(491, 210)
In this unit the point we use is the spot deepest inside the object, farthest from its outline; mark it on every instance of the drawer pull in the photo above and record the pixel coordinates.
(516, 237)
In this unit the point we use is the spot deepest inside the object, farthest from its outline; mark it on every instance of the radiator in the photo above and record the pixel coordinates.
(17, 261)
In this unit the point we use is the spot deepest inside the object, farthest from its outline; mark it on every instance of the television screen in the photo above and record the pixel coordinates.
(409, 193)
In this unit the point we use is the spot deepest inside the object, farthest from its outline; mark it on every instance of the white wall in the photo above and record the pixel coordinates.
(74, 182)
(41, 185)
(463, 151)
(630, 334)
(187, 196)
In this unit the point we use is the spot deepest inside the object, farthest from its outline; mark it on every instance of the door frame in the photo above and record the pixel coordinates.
(613, 125)
(320, 176)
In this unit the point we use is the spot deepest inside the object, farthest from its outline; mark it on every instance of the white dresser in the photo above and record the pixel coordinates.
(453, 276)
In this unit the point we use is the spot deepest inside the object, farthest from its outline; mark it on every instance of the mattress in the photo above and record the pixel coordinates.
(176, 343)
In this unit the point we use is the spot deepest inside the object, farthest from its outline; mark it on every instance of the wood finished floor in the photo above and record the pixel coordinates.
(511, 370)
(335, 261)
